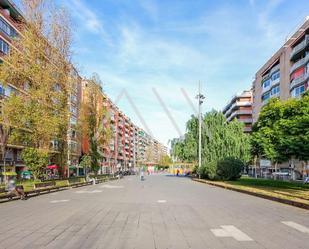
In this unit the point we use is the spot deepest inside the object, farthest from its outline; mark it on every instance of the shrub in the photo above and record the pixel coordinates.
(229, 169)
(208, 170)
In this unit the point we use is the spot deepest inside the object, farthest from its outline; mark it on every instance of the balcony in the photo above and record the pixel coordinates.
(299, 63)
(237, 104)
(245, 120)
(274, 69)
(299, 80)
(239, 112)
(247, 129)
(301, 46)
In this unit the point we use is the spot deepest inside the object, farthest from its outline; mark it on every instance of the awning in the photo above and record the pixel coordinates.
(9, 173)
(26, 173)
(72, 167)
(54, 166)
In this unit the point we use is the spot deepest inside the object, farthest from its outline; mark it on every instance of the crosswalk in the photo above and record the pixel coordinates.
(296, 226)
(230, 231)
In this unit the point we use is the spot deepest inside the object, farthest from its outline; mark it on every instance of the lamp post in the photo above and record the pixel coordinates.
(200, 98)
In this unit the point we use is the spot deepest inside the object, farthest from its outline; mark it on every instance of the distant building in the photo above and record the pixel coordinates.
(240, 108)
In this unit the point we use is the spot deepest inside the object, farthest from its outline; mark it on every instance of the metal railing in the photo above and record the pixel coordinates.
(300, 46)
(299, 63)
(299, 80)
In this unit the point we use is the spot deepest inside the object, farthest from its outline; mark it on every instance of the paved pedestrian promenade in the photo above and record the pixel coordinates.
(160, 212)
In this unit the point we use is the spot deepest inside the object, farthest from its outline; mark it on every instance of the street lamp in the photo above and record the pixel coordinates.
(200, 98)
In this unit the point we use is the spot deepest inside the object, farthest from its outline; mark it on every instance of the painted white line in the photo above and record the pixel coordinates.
(296, 226)
(59, 201)
(161, 201)
(219, 232)
(231, 231)
(111, 186)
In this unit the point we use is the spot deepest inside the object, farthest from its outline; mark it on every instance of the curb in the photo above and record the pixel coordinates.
(272, 198)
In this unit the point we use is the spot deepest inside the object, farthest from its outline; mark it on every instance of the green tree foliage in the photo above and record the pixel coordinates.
(94, 120)
(36, 161)
(220, 140)
(165, 161)
(282, 130)
(38, 66)
(229, 168)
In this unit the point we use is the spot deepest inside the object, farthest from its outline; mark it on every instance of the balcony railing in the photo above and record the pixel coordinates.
(247, 129)
(274, 69)
(237, 103)
(300, 46)
(239, 112)
(299, 63)
(299, 80)
(245, 120)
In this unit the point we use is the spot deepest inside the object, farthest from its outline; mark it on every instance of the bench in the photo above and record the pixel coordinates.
(44, 186)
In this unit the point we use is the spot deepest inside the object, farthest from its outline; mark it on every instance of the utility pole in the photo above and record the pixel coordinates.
(200, 98)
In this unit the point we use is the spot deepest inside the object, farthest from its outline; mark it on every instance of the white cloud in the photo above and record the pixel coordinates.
(89, 19)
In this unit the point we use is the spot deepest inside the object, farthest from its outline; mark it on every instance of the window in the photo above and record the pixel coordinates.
(266, 83)
(73, 120)
(298, 91)
(2, 90)
(275, 75)
(4, 47)
(6, 28)
(266, 96)
(275, 90)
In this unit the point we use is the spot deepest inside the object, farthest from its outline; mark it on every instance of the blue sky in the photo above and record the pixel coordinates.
(139, 45)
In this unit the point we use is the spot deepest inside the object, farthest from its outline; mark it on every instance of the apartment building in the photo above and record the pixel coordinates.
(10, 18)
(285, 75)
(10, 25)
(240, 108)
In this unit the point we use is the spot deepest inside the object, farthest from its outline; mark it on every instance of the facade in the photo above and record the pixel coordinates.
(74, 135)
(240, 108)
(9, 29)
(10, 25)
(285, 75)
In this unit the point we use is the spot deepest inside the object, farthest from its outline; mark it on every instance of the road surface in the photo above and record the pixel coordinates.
(160, 212)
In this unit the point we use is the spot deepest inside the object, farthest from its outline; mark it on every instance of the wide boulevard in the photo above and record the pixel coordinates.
(160, 212)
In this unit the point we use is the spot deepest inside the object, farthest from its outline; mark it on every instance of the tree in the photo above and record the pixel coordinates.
(165, 161)
(36, 161)
(220, 140)
(282, 130)
(86, 162)
(94, 119)
(38, 66)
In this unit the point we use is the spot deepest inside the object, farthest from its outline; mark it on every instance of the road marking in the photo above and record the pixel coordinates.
(296, 226)
(231, 231)
(59, 201)
(111, 186)
(161, 201)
